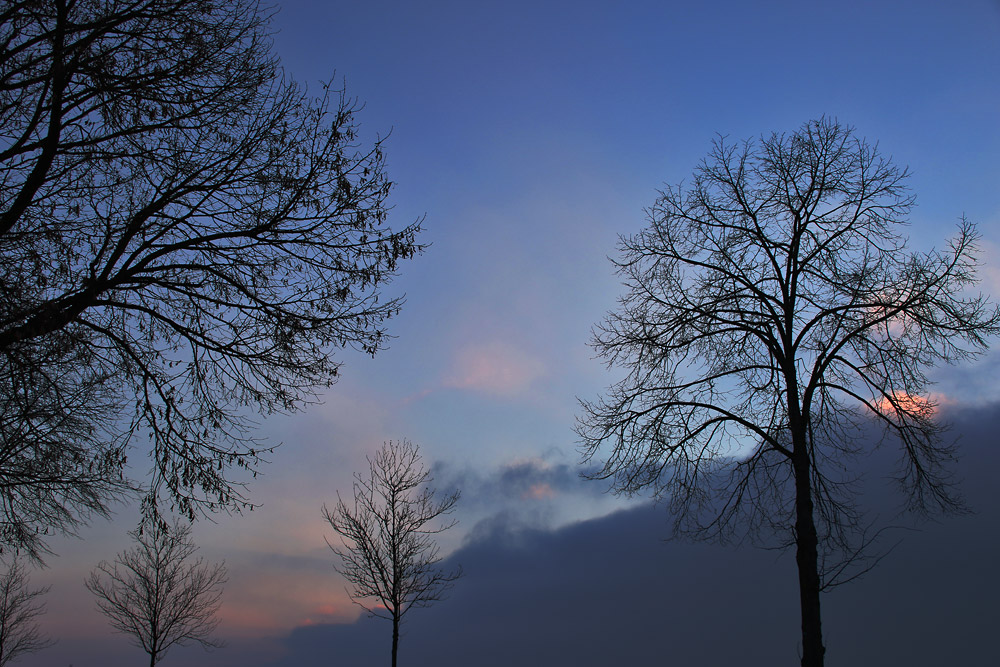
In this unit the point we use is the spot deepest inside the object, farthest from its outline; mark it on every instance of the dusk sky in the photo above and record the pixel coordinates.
(531, 135)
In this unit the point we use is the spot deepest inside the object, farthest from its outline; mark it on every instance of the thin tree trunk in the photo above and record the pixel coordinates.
(807, 559)
(395, 639)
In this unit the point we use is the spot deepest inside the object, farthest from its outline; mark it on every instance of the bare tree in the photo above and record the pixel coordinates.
(156, 594)
(20, 608)
(771, 313)
(186, 234)
(387, 551)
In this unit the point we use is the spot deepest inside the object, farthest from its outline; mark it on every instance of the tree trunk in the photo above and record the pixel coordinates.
(807, 559)
(395, 639)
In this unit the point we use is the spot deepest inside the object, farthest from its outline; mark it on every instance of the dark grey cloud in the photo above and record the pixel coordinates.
(613, 591)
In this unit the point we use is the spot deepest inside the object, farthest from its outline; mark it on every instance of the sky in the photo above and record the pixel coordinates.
(529, 135)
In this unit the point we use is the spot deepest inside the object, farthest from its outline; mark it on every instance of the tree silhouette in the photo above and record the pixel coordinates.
(388, 554)
(771, 312)
(187, 236)
(20, 608)
(156, 594)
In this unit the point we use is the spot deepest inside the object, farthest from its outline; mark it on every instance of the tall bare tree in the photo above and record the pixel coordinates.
(20, 607)
(387, 553)
(157, 594)
(186, 234)
(771, 312)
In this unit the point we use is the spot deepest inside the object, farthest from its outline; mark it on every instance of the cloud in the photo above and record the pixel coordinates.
(607, 591)
(929, 406)
(538, 492)
(519, 479)
(989, 272)
(268, 593)
(612, 591)
(504, 492)
(534, 479)
(495, 367)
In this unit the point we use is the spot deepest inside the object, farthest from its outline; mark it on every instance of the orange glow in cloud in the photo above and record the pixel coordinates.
(894, 327)
(331, 613)
(495, 368)
(259, 604)
(927, 405)
(540, 491)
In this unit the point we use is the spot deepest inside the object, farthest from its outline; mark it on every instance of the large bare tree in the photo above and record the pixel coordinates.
(187, 236)
(20, 607)
(772, 312)
(387, 553)
(157, 594)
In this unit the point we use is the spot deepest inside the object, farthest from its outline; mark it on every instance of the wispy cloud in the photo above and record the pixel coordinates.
(494, 367)
(989, 272)
(539, 492)
(517, 480)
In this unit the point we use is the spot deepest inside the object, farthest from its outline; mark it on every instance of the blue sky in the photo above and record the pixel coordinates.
(531, 135)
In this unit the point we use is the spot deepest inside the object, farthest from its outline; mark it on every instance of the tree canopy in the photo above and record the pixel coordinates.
(188, 236)
(158, 594)
(771, 312)
(388, 553)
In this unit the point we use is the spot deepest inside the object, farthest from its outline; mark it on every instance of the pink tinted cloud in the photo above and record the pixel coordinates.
(495, 368)
(916, 404)
(272, 602)
(540, 491)
(989, 271)
(521, 470)
(330, 613)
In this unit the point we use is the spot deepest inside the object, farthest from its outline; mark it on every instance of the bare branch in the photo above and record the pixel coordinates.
(157, 595)
(387, 552)
(20, 607)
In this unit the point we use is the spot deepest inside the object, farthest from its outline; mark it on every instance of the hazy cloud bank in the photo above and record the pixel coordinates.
(612, 591)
